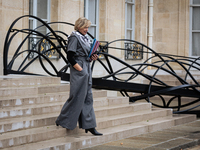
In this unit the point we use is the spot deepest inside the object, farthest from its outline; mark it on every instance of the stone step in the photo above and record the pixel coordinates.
(18, 91)
(99, 93)
(25, 80)
(173, 78)
(184, 100)
(171, 83)
(7, 125)
(110, 101)
(44, 108)
(121, 109)
(34, 121)
(32, 90)
(14, 101)
(82, 140)
(54, 88)
(31, 100)
(131, 117)
(25, 111)
(50, 132)
(44, 89)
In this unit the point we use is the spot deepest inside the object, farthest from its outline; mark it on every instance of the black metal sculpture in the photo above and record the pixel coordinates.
(55, 42)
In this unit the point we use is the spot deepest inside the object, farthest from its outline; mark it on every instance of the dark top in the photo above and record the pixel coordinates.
(75, 49)
(70, 57)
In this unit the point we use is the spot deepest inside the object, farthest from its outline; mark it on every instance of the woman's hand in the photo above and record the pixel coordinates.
(78, 67)
(94, 57)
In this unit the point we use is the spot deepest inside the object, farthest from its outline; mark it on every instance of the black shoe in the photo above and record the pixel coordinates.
(93, 131)
(57, 124)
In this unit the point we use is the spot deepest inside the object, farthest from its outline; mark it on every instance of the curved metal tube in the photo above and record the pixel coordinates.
(155, 87)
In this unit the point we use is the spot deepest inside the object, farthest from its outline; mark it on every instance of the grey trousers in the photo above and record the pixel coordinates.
(79, 106)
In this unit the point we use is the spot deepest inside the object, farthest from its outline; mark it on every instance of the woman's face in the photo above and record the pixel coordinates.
(83, 30)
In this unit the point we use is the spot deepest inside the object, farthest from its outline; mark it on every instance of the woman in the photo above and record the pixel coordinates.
(79, 106)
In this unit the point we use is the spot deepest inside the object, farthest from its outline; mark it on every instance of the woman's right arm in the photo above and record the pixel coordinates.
(72, 46)
(72, 61)
(78, 67)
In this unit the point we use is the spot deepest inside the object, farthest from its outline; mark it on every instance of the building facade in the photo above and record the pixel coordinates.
(167, 26)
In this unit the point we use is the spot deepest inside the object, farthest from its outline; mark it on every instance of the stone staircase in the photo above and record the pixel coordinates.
(30, 105)
(172, 81)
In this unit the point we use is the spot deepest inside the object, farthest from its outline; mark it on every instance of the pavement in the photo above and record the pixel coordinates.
(181, 137)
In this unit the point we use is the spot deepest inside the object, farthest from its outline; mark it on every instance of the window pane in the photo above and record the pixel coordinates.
(42, 29)
(196, 1)
(196, 18)
(92, 11)
(30, 7)
(129, 34)
(30, 24)
(129, 0)
(92, 30)
(129, 16)
(42, 9)
(195, 44)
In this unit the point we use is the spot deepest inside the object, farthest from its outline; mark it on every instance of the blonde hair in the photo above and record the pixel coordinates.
(81, 22)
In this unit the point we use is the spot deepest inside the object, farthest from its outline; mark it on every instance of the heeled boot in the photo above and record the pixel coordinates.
(93, 131)
(56, 123)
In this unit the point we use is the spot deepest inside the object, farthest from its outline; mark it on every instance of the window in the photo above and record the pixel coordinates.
(133, 50)
(129, 19)
(41, 9)
(194, 28)
(92, 13)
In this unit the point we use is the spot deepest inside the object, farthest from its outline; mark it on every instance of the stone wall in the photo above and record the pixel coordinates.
(170, 28)
(63, 11)
(9, 11)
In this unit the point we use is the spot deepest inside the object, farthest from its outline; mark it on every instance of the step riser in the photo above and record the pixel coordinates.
(32, 138)
(168, 112)
(117, 101)
(35, 100)
(29, 112)
(21, 82)
(182, 120)
(18, 92)
(46, 98)
(110, 102)
(173, 78)
(60, 132)
(53, 89)
(127, 109)
(63, 88)
(31, 91)
(174, 83)
(99, 93)
(27, 124)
